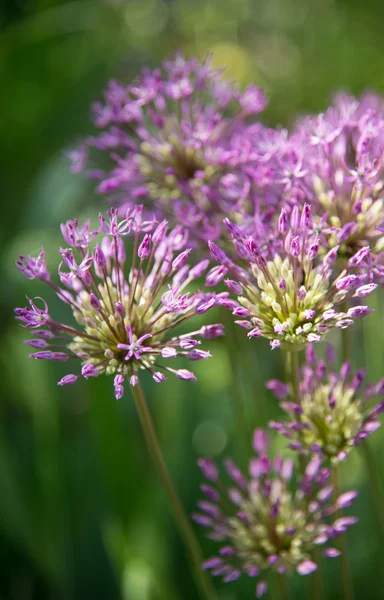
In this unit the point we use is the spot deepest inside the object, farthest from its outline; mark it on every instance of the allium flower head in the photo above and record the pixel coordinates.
(270, 519)
(124, 316)
(293, 298)
(173, 139)
(334, 412)
(343, 152)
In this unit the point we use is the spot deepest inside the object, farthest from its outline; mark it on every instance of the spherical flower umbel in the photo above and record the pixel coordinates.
(293, 298)
(343, 160)
(334, 412)
(173, 139)
(269, 520)
(125, 317)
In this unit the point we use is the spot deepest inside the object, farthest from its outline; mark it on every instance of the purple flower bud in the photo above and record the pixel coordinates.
(275, 344)
(212, 331)
(158, 377)
(133, 380)
(159, 232)
(241, 311)
(313, 250)
(36, 343)
(359, 257)
(283, 222)
(95, 302)
(119, 392)
(346, 499)
(234, 286)
(302, 293)
(180, 260)
(44, 355)
(331, 552)
(215, 275)
(227, 551)
(364, 290)
(261, 589)
(184, 374)
(218, 254)
(198, 270)
(278, 388)
(89, 370)
(283, 285)
(306, 220)
(67, 380)
(59, 356)
(331, 256)
(313, 467)
(168, 352)
(209, 468)
(255, 332)
(100, 259)
(347, 282)
(295, 246)
(211, 493)
(120, 309)
(198, 354)
(306, 567)
(145, 247)
(346, 231)
(359, 311)
(232, 576)
(213, 562)
(313, 337)
(260, 441)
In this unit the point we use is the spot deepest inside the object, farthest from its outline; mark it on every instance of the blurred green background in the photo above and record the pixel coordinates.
(81, 513)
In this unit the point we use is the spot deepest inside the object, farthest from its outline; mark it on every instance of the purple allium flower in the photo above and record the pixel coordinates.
(334, 413)
(268, 520)
(343, 159)
(293, 298)
(175, 139)
(124, 316)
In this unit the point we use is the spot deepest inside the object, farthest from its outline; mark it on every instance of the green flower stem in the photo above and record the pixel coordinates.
(292, 369)
(203, 583)
(317, 579)
(293, 375)
(243, 430)
(374, 483)
(345, 570)
(283, 587)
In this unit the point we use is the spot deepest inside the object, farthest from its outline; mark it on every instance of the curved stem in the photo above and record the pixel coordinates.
(345, 570)
(374, 483)
(205, 587)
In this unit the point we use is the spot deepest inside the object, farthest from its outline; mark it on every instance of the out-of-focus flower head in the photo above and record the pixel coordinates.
(333, 413)
(270, 519)
(175, 139)
(293, 298)
(124, 317)
(343, 160)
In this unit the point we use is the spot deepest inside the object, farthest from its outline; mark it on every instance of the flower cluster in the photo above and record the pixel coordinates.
(293, 298)
(343, 168)
(124, 317)
(269, 521)
(174, 137)
(332, 414)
